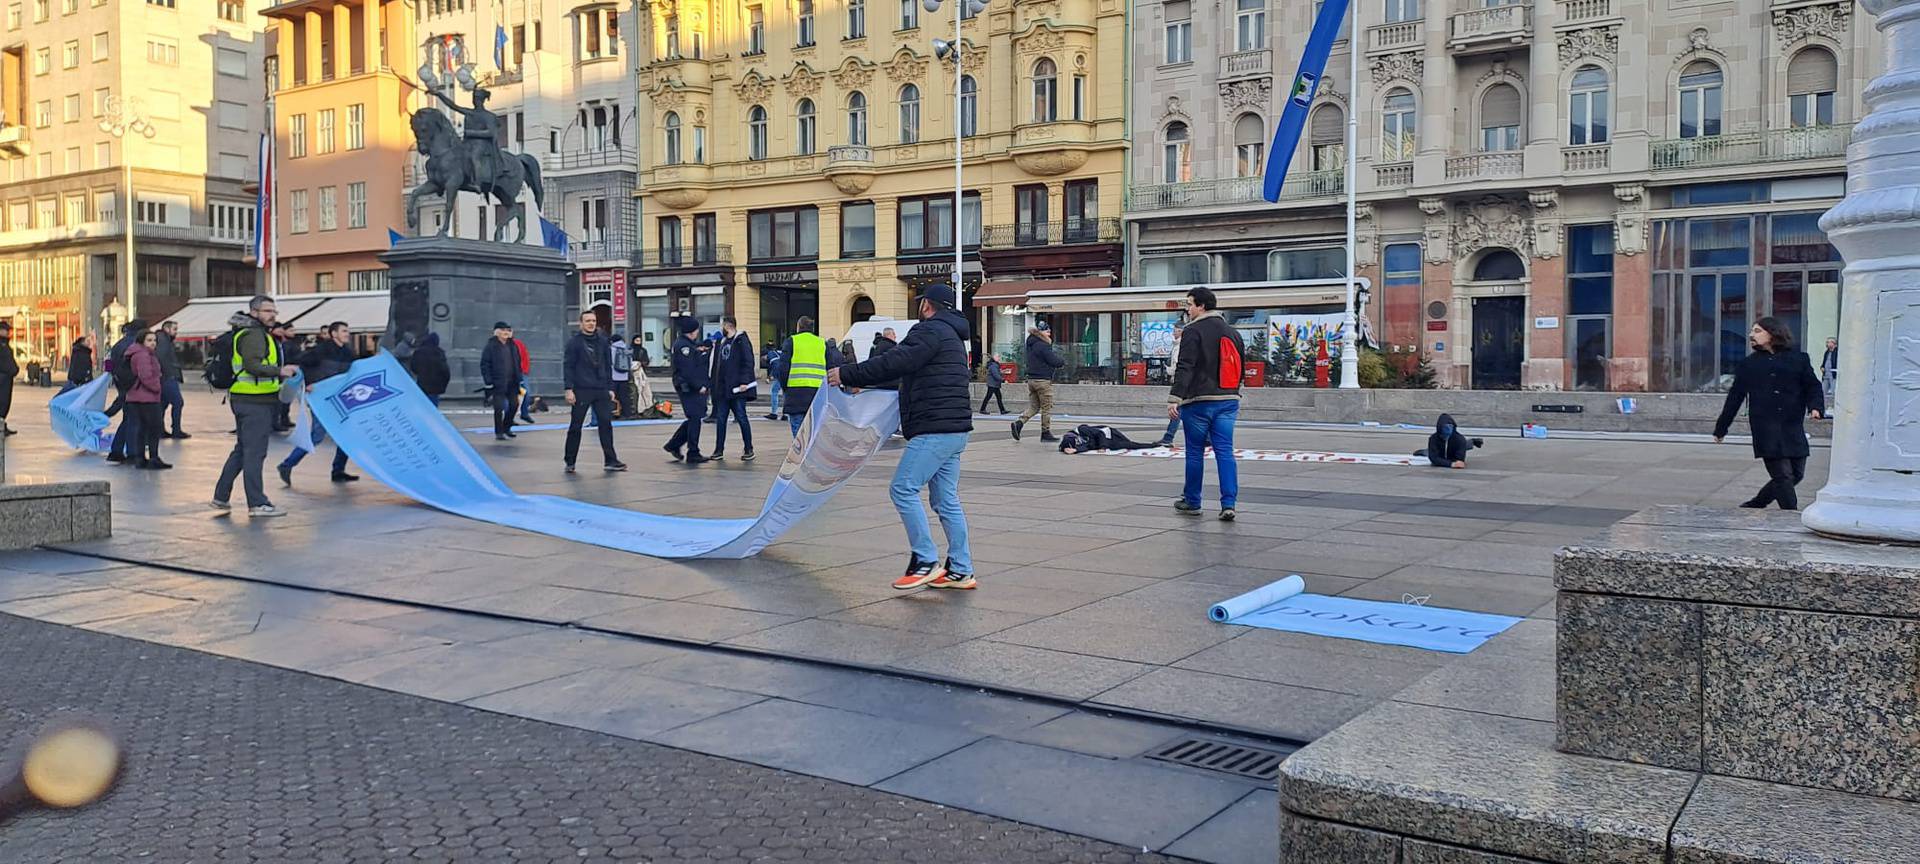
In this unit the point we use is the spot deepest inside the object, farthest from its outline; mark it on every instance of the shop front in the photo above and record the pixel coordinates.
(917, 272)
(787, 293)
(659, 296)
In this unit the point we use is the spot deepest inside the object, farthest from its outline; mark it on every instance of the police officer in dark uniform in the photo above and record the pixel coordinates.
(692, 358)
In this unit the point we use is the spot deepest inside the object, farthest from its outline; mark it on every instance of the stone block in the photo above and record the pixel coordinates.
(1313, 841)
(1734, 821)
(1813, 699)
(92, 517)
(29, 522)
(1423, 852)
(1629, 679)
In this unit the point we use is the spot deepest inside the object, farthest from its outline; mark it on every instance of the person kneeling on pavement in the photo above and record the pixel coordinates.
(1084, 438)
(1446, 447)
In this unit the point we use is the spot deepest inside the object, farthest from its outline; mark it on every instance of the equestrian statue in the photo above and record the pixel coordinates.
(471, 162)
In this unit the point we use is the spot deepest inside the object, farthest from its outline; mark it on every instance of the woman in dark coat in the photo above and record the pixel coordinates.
(1782, 390)
(429, 367)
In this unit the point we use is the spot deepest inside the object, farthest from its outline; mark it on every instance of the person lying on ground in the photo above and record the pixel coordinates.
(1446, 447)
(1084, 438)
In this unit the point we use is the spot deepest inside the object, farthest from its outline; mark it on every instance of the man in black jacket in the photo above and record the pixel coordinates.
(691, 380)
(936, 415)
(734, 383)
(1206, 399)
(430, 369)
(170, 376)
(1042, 364)
(500, 372)
(9, 367)
(588, 372)
(79, 363)
(331, 356)
(1446, 447)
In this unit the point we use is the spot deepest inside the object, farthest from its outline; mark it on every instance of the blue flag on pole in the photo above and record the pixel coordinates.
(393, 237)
(552, 237)
(1306, 82)
(500, 47)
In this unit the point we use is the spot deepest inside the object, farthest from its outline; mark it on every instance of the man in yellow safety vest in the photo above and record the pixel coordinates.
(254, 397)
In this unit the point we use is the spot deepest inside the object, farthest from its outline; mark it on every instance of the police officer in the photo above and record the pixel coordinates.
(692, 358)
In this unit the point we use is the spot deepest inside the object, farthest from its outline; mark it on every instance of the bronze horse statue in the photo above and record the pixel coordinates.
(450, 171)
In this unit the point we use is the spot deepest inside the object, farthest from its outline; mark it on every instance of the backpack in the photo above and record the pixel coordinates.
(120, 368)
(219, 370)
(622, 356)
(1229, 364)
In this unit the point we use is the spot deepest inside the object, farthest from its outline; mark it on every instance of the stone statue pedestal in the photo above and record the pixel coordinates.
(460, 288)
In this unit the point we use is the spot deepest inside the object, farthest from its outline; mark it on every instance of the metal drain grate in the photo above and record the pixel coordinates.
(1238, 760)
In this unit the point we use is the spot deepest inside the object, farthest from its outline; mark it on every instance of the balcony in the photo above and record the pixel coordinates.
(599, 250)
(605, 157)
(850, 168)
(1246, 64)
(1072, 231)
(1051, 148)
(14, 142)
(1235, 190)
(1485, 166)
(1393, 175)
(503, 77)
(679, 187)
(1586, 159)
(1398, 36)
(1750, 148)
(1586, 11)
(1494, 28)
(679, 258)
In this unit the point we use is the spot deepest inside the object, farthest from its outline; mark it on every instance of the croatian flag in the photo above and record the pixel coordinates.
(263, 206)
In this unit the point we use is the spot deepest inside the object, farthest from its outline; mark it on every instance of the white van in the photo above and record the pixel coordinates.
(861, 334)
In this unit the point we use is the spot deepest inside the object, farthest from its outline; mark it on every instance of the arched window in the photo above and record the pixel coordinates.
(1587, 108)
(672, 125)
(1046, 91)
(969, 106)
(803, 127)
(1812, 76)
(1700, 99)
(1328, 128)
(1499, 265)
(1500, 109)
(756, 133)
(857, 119)
(1398, 123)
(910, 114)
(1249, 146)
(1177, 153)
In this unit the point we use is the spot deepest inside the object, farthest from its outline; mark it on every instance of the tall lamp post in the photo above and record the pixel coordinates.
(121, 118)
(1349, 352)
(945, 50)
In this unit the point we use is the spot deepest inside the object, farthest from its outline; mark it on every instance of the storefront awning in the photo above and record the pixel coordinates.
(365, 311)
(1014, 292)
(1232, 295)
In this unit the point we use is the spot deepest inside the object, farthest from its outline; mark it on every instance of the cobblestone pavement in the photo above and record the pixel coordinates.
(232, 761)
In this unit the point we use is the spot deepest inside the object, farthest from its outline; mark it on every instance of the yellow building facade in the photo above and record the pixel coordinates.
(799, 158)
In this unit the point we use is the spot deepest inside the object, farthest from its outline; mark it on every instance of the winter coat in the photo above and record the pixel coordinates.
(587, 365)
(691, 367)
(1446, 445)
(526, 358)
(9, 366)
(146, 374)
(500, 366)
(733, 363)
(1085, 437)
(80, 364)
(995, 377)
(776, 365)
(881, 345)
(1042, 361)
(430, 370)
(325, 360)
(1196, 374)
(803, 396)
(1781, 390)
(169, 357)
(936, 394)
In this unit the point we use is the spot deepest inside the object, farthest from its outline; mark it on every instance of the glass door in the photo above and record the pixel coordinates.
(1592, 345)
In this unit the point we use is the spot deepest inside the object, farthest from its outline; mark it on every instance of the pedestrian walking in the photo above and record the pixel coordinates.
(809, 359)
(502, 368)
(936, 416)
(126, 439)
(1042, 364)
(332, 355)
(430, 369)
(1206, 399)
(1777, 383)
(254, 397)
(588, 374)
(171, 395)
(996, 378)
(776, 366)
(1173, 424)
(691, 382)
(147, 398)
(1830, 368)
(642, 385)
(734, 385)
(9, 369)
(79, 363)
(621, 371)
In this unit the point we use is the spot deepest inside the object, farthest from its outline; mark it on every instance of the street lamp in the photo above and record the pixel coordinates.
(122, 116)
(943, 50)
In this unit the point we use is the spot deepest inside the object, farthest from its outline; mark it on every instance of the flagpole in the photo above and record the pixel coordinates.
(1349, 355)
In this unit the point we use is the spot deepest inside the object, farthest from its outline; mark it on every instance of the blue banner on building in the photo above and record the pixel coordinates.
(1306, 82)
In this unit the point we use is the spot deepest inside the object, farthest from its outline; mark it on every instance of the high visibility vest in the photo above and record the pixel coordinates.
(244, 382)
(808, 368)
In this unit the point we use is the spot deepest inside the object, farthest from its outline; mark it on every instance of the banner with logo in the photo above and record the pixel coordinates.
(293, 391)
(376, 413)
(80, 416)
(1306, 82)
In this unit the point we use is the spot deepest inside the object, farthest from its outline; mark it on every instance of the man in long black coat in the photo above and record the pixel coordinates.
(1781, 390)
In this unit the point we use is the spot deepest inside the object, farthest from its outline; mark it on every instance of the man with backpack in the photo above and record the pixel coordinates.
(1206, 399)
(248, 363)
(126, 439)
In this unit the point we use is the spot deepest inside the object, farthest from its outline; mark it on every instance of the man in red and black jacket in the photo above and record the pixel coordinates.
(1206, 399)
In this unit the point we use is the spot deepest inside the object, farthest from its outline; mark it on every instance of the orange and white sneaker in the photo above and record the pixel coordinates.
(955, 581)
(919, 573)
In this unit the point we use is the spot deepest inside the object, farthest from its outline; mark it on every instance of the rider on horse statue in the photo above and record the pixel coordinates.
(481, 131)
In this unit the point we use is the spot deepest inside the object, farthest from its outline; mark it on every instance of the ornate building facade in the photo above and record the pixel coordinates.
(1592, 194)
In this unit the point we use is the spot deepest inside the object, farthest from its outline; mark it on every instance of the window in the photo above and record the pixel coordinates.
(357, 127)
(1587, 109)
(593, 220)
(1590, 269)
(1249, 146)
(13, 16)
(670, 241)
(596, 34)
(804, 137)
(162, 210)
(1327, 131)
(856, 19)
(231, 62)
(68, 7)
(46, 213)
(1397, 127)
(909, 14)
(163, 52)
(100, 43)
(232, 115)
(756, 133)
(926, 223)
(706, 231)
(329, 203)
(43, 114)
(1046, 91)
(699, 43)
(367, 280)
(70, 108)
(163, 3)
(70, 54)
(100, 99)
(1402, 10)
(519, 42)
(969, 107)
(103, 154)
(1082, 212)
(1030, 215)
(805, 24)
(74, 209)
(1399, 303)
(357, 205)
(756, 30)
(1499, 265)
(856, 230)
(233, 165)
(42, 61)
(297, 211)
(1079, 97)
(1500, 119)
(857, 119)
(40, 10)
(1700, 100)
(1179, 32)
(1250, 25)
(323, 282)
(699, 145)
(1811, 80)
(1175, 154)
(323, 131)
(296, 136)
(672, 127)
(234, 11)
(72, 160)
(783, 235)
(910, 113)
(103, 207)
(231, 222)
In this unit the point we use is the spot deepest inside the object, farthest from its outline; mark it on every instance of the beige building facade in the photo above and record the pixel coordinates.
(1554, 194)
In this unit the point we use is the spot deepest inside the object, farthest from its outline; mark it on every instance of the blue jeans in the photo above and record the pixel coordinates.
(1211, 423)
(319, 435)
(773, 396)
(171, 397)
(1173, 428)
(932, 462)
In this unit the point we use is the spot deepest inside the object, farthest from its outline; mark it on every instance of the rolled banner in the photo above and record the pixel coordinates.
(1259, 598)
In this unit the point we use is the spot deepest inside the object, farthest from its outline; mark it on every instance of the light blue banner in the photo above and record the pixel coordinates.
(376, 413)
(293, 391)
(80, 416)
(1454, 631)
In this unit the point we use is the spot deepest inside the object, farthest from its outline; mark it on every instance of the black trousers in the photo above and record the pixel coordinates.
(504, 402)
(688, 435)
(731, 405)
(150, 414)
(1785, 474)
(600, 402)
(994, 394)
(6, 398)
